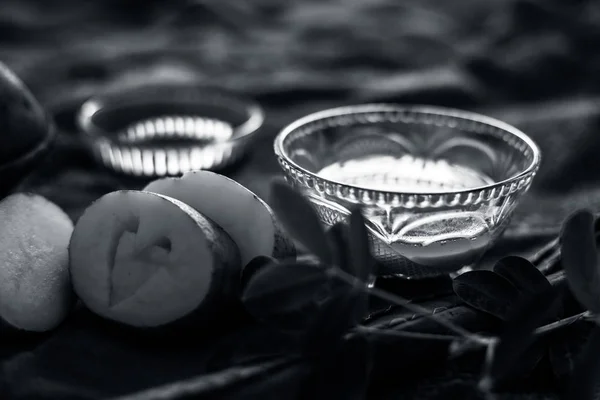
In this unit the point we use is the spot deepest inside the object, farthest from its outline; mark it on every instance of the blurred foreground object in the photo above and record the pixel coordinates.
(168, 129)
(25, 130)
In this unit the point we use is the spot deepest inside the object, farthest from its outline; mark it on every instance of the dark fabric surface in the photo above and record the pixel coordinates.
(531, 63)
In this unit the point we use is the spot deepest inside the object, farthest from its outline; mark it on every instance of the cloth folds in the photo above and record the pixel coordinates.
(532, 63)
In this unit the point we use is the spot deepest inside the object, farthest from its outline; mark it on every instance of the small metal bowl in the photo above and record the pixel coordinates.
(168, 129)
(437, 185)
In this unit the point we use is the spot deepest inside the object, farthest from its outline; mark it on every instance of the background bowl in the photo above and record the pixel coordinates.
(169, 129)
(437, 185)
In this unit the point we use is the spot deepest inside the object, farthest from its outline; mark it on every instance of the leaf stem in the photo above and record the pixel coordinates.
(404, 334)
(563, 322)
(556, 277)
(486, 383)
(547, 265)
(400, 301)
(549, 248)
(205, 384)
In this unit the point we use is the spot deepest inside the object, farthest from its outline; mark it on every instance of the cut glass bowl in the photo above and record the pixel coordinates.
(437, 186)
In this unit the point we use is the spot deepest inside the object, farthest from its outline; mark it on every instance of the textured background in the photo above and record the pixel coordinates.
(532, 63)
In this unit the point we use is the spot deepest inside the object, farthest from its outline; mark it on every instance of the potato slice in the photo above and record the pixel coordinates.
(249, 220)
(35, 288)
(147, 260)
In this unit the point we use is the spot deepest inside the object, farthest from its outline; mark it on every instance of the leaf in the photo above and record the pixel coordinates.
(527, 315)
(300, 220)
(338, 236)
(255, 265)
(522, 274)
(580, 259)
(343, 310)
(571, 306)
(362, 262)
(486, 291)
(303, 298)
(585, 381)
(288, 295)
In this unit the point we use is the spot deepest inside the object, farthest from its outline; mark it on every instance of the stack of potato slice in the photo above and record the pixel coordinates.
(166, 255)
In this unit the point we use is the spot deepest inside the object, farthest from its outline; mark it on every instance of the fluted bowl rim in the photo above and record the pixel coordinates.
(361, 194)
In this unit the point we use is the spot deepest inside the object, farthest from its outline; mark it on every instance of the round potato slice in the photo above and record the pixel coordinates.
(35, 288)
(147, 260)
(249, 220)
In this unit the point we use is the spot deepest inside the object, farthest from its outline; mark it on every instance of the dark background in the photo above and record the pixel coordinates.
(531, 63)
(535, 64)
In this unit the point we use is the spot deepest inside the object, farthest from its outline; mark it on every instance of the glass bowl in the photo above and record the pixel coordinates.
(437, 186)
(168, 129)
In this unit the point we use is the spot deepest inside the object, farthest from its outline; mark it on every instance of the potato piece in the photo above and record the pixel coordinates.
(249, 220)
(35, 288)
(147, 260)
